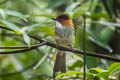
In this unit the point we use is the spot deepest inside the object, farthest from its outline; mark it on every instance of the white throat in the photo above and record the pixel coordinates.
(59, 25)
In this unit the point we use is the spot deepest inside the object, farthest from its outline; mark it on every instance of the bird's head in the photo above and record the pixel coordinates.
(64, 19)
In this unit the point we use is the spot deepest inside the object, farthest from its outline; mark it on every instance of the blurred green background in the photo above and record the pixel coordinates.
(33, 17)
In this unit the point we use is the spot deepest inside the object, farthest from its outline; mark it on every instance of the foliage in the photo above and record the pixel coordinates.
(24, 17)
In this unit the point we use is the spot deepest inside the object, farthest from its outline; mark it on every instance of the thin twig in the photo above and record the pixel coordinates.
(24, 50)
(84, 47)
(16, 47)
(6, 28)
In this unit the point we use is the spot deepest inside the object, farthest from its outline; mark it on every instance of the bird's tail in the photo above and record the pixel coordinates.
(60, 63)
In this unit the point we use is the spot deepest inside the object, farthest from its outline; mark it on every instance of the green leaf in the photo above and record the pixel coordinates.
(69, 73)
(47, 30)
(82, 9)
(79, 40)
(2, 13)
(58, 3)
(43, 28)
(109, 24)
(106, 34)
(26, 39)
(92, 62)
(113, 67)
(11, 26)
(78, 13)
(77, 63)
(99, 15)
(104, 75)
(40, 61)
(97, 69)
(70, 8)
(19, 66)
(94, 4)
(98, 39)
(41, 15)
(15, 13)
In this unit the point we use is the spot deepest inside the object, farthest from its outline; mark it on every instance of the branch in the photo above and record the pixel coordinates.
(43, 42)
(16, 47)
(76, 51)
(24, 50)
(6, 28)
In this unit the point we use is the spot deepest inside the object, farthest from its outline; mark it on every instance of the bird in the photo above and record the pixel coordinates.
(64, 36)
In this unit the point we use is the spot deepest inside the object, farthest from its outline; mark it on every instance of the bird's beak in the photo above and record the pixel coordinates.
(54, 19)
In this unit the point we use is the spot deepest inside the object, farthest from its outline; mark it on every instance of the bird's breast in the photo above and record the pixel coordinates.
(64, 32)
